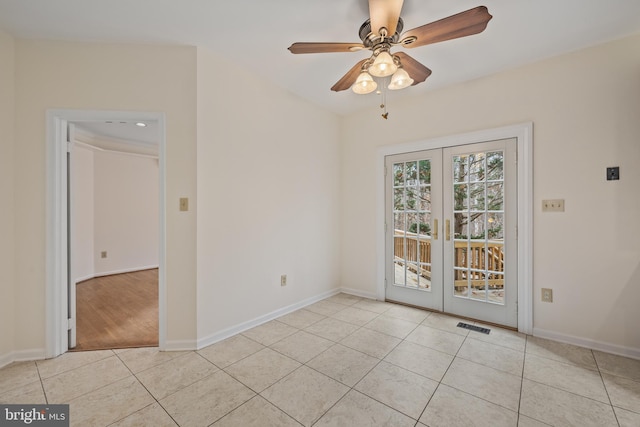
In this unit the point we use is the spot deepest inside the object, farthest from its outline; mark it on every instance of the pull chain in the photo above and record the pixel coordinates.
(383, 92)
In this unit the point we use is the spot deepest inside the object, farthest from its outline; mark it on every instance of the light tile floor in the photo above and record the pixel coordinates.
(344, 361)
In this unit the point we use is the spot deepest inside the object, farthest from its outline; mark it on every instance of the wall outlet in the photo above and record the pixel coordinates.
(283, 280)
(547, 295)
(103, 254)
(555, 205)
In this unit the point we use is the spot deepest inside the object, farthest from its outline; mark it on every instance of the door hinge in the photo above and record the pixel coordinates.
(385, 227)
(69, 146)
(385, 170)
(71, 323)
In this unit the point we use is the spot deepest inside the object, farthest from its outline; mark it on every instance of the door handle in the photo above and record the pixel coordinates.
(435, 229)
(447, 232)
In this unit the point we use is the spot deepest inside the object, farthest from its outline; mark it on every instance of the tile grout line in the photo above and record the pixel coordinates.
(151, 394)
(524, 361)
(605, 387)
(44, 392)
(296, 369)
(352, 388)
(443, 375)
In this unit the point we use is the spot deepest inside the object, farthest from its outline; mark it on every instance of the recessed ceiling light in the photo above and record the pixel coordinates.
(142, 125)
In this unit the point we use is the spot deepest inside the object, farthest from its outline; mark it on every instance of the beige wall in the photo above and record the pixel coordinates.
(585, 107)
(125, 212)
(109, 77)
(268, 197)
(82, 174)
(115, 210)
(7, 208)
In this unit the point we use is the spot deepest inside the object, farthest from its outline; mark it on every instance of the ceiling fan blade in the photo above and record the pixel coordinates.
(325, 47)
(348, 79)
(416, 70)
(472, 21)
(385, 13)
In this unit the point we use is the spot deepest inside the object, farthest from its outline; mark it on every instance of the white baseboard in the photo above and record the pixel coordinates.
(111, 273)
(21, 356)
(234, 330)
(359, 293)
(606, 347)
(180, 345)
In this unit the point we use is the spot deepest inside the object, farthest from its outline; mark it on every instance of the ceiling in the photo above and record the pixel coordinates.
(120, 135)
(256, 34)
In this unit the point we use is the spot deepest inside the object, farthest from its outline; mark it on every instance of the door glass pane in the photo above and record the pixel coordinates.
(460, 197)
(398, 199)
(412, 198)
(478, 226)
(398, 175)
(476, 167)
(411, 170)
(398, 246)
(495, 192)
(495, 228)
(476, 196)
(495, 167)
(424, 172)
(412, 224)
(460, 169)
(423, 227)
(461, 282)
(424, 195)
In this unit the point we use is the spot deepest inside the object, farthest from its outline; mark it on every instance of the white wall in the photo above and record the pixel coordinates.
(125, 212)
(585, 107)
(103, 77)
(7, 206)
(83, 212)
(268, 198)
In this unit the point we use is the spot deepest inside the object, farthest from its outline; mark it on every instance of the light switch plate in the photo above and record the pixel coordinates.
(184, 204)
(553, 205)
(613, 173)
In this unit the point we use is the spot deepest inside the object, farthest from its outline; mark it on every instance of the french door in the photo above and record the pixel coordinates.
(451, 230)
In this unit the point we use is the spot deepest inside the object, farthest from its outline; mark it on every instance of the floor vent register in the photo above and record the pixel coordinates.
(474, 328)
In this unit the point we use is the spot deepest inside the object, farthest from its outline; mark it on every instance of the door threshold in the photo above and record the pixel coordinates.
(510, 328)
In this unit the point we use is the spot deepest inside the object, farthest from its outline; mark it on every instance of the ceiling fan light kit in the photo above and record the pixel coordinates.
(380, 33)
(400, 80)
(364, 84)
(383, 65)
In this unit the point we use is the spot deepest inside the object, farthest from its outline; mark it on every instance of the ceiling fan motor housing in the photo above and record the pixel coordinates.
(369, 39)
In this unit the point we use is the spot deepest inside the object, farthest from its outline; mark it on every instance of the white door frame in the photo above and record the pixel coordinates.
(56, 304)
(524, 134)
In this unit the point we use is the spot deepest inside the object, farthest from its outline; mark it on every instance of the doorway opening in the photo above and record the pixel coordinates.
(73, 256)
(114, 233)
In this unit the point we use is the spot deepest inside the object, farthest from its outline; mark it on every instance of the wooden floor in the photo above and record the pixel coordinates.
(117, 311)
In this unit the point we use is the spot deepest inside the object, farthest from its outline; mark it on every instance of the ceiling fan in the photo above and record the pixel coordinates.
(381, 32)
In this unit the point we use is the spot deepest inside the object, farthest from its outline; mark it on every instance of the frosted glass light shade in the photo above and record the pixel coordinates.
(383, 65)
(400, 80)
(364, 84)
